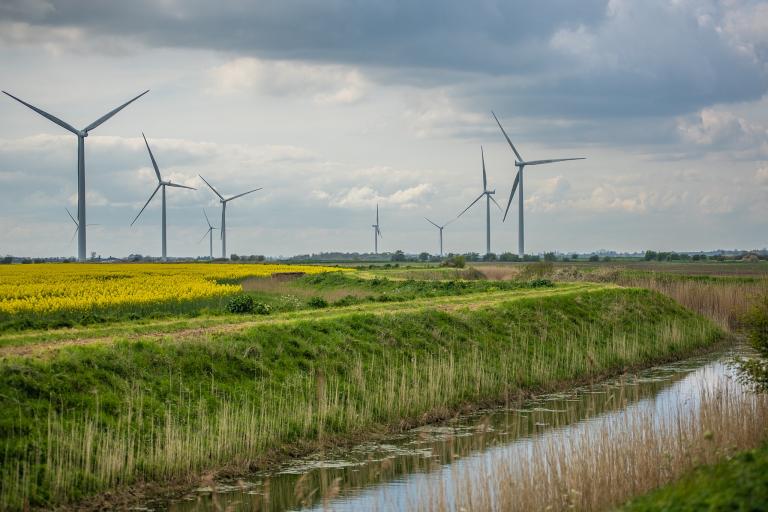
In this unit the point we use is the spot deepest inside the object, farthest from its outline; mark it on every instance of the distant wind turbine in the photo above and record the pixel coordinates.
(81, 135)
(441, 232)
(160, 184)
(77, 226)
(487, 193)
(376, 232)
(224, 214)
(520, 164)
(209, 234)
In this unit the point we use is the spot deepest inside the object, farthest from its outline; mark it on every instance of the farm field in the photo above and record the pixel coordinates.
(321, 357)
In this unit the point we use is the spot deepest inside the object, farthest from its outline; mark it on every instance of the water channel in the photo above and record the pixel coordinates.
(390, 475)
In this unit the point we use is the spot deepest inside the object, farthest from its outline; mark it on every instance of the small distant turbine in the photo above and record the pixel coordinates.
(441, 232)
(209, 234)
(77, 226)
(81, 135)
(488, 198)
(520, 164)
(376, 232)
(224, 214)
(160, 184)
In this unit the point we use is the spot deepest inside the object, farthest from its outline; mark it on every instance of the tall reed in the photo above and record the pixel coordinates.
(602, 466)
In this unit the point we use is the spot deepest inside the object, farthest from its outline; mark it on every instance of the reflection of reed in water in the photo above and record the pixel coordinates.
(316, 482)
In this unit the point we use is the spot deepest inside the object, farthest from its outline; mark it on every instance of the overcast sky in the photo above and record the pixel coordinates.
(334, 106)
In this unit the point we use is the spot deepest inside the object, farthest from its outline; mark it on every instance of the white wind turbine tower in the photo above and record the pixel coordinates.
(487, 193)
(160, 184)
(440, 228)
(224, 214)
(77, 226)
(520, 163)
(209, 234)
(81, 135)
(376, 232)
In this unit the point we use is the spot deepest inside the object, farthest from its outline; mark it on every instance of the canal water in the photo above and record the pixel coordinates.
(391, 475)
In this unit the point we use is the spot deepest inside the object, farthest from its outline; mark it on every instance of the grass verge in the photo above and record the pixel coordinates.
(87, 418)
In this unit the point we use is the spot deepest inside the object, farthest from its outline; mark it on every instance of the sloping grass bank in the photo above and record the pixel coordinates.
(87, 418)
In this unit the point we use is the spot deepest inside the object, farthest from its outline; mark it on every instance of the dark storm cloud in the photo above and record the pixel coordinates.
(434, 34)
(556, 58)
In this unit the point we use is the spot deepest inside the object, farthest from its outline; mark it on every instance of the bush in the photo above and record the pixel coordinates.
(261, 309)
(317, 302)
(242, 303)
(456, 261)
(756, 323)
(541, 283)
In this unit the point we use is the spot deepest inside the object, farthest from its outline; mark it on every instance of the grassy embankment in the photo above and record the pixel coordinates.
(88, 417)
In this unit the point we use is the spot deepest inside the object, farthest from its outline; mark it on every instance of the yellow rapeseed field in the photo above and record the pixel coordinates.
(54, 288)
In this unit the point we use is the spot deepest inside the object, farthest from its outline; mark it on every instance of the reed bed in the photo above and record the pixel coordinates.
(74, 454)
(614, 459)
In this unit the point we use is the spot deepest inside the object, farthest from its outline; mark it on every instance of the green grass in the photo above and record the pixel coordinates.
(740, 483)
(85, 418)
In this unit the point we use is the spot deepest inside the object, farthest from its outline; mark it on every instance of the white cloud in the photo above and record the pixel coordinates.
(325, 84)
(365, 197)
(722, 130)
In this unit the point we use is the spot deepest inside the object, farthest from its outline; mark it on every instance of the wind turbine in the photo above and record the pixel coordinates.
(224, 214)
(487, 193)
(209, 234)
(520, 163)
(376, 232)
(77, 226)
(441, 232)
(160, 184)
(81, 135)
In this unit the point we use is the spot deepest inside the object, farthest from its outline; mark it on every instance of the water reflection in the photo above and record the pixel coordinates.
(388, 475)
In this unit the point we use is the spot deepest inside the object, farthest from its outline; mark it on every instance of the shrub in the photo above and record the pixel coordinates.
(317, 302)
(756, 323)
(540, 283)
(456, 261)
(261, 309)
(242, 303)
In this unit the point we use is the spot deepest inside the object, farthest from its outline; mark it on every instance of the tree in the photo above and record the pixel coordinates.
(398, 255)
(650, 255)
(594, 257)
(424, 256)
(489, 257)
(550, 256)
(574, 256)
(235, 257)
(508, 256)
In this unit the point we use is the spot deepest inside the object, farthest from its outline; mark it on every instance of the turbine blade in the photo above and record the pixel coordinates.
(152, 157)
(244, 193)
(511, 195)
(538, 162)
(211, 187)
(450, 221)
(207, 220)
(205, 235)
(379, 232)
(74, 233)
(507, 137)
(71, 217)
(438, 227)
(145, 204)
(485, 180)
(494, 202)
(46, 115)
(106, 117)
(470, 205)
(179, 186)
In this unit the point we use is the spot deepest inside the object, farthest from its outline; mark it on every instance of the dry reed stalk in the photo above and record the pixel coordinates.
(618, 457)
